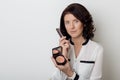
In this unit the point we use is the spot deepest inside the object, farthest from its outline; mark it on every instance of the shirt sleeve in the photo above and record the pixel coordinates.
(97, 70)
(58, 75)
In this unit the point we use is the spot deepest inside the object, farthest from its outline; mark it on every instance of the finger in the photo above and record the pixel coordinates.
(64, 42)
(58, 66)
(54, 61)
(62, 38)
(67, 42)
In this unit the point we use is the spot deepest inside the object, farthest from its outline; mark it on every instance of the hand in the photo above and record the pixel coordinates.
(64, 68)
(65, 45)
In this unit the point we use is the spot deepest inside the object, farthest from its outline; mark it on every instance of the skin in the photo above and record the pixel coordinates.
(74, 28)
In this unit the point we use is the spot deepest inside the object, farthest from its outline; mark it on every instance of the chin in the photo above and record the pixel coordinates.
(75, 36)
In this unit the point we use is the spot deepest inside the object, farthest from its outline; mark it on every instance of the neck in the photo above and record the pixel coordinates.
(78, 40)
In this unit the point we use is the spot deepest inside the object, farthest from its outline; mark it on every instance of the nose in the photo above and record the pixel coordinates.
(72, 25)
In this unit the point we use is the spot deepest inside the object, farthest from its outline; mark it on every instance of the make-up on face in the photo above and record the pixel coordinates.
(73, 26)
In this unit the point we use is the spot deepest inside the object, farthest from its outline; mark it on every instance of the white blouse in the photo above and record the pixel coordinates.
(88, 64)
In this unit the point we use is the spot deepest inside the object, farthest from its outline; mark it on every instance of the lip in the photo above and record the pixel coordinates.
(73, 31)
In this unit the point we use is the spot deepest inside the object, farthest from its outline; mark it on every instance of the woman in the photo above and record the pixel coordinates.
(84, 56)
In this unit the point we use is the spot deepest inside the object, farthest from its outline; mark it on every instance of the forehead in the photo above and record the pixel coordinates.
(69, 16)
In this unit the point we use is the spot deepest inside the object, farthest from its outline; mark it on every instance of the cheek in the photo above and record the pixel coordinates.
(80, 28)
(67, 29)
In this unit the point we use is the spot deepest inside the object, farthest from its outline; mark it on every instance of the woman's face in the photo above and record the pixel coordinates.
(73, 26)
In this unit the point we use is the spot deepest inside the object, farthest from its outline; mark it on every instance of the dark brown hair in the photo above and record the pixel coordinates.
(82, 14)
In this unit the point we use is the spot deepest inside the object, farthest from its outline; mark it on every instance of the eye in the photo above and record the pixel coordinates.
(67, 22)
(76, 21)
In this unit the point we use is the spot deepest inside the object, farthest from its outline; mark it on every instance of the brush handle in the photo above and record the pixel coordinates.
(59, 32)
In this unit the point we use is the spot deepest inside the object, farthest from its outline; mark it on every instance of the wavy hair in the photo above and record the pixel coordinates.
(82, 14)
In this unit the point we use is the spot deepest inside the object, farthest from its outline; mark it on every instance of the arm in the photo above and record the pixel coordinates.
(64, 71)
(97, 70)
(58, 75)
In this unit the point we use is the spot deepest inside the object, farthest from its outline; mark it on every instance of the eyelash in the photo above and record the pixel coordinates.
(66, 22)
(74, 21)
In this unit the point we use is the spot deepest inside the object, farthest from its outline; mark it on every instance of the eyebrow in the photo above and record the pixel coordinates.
(76, 19)
(73, 20)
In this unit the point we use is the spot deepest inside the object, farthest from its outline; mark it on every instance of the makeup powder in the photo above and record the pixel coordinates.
(60, 59)
(55, 51)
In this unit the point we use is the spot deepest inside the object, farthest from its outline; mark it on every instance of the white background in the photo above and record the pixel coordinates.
(27, 35)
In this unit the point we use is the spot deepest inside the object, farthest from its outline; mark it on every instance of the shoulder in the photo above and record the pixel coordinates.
(91, 50)
(94, 45)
